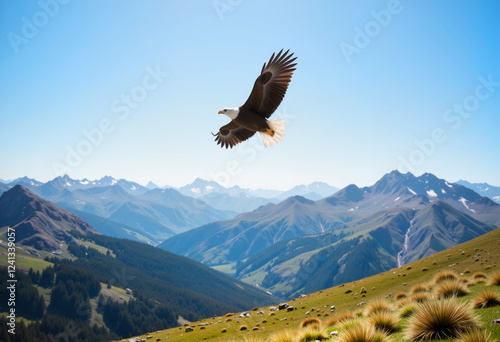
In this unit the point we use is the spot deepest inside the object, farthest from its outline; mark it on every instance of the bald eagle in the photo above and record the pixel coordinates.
(267, 93)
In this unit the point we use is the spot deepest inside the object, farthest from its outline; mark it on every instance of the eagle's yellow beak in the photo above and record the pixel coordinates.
(221, 112)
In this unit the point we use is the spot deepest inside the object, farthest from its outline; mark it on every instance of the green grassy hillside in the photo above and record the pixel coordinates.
(465, 260)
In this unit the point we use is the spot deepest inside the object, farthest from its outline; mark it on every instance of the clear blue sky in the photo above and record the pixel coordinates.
(132, 89)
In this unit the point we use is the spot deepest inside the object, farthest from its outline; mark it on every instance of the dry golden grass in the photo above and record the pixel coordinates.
(311, 334)
(310, 321)
(400, 296)
(286, 335)
(420, 297)
(363, 333)
(450, 288)
(444, 275)
(408, 309)
(378, 305)
(479, 275)
(419, 288)
(403, 302)
(440, 320)
(494, 279)
(384, 321)
(476, 335)
(339, 318)
(486, 299)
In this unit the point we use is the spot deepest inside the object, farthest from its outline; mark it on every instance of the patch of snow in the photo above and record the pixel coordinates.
(195, 190)
(68, 183)
(431, 193)
(209, 188)
(397, 198)
(449, 185)
(133, 187)
(413, 192)
(464, 202)
(85, 182)
(352, 209)
(442, 191)
(113, 182)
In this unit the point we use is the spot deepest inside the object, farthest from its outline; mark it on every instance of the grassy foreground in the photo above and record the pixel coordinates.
(410, 293)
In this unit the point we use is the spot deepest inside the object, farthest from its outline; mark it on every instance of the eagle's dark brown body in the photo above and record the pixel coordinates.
(267, 93)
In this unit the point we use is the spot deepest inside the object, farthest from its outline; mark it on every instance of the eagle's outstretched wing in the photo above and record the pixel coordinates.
(232, 134)
(270, 87)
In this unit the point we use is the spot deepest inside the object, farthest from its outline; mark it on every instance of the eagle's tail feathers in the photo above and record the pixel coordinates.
(275, 133)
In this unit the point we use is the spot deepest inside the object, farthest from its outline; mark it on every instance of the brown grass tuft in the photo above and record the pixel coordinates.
(479, 275)
(363, 333)
(440, 320)
(408, 309)
(419, 288)
(444, 275)
(420, 297)
(310, 321)
(339, 318)
(312, 333)
(286, 335)
(377, 305)
(494, 279)
(384, 321)
(486, 299)
(400, 296)
(450, 288)
(476, 335)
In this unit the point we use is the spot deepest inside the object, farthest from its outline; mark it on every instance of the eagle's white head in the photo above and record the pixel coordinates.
(232, 113)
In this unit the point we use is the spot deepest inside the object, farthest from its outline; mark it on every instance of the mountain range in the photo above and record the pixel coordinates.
(352, 234)
(484, 189)
(187, 288)
(39, 223)
(151, 214)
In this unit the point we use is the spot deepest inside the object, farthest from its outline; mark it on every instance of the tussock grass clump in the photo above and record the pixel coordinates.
(494, 279)
(352, 323)
(476, 335)
(419, 288)
(420, 297)
(310, 321)
(400, 296)
(424, 269)
(286, 335)
(384, 321)
(440, 320)
(243, 327)
(363, 290)
(486, 299)
(363, 333)
(408, 309)
(445, 275)
(312, 333)
(403, 302)
(450, 288)
(479, 275)
(251, 338)
(464, 280)
(377, 305)
(339, 318)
